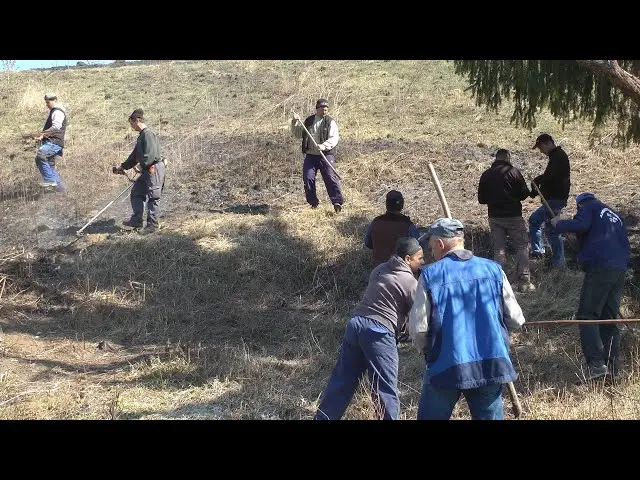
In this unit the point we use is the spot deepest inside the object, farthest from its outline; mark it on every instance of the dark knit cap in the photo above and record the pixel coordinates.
(407, 246)
(394, 201)
(137, 113)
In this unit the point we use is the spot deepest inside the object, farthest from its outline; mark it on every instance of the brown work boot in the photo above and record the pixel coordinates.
(337, 207)
(129, 225)
(150, 228)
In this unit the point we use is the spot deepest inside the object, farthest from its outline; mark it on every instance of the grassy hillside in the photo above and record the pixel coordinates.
(236, 307)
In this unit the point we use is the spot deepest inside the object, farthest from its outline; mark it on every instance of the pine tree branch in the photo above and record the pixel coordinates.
(616, 75)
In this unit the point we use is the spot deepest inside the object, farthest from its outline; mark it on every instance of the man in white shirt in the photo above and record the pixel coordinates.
(324, 130)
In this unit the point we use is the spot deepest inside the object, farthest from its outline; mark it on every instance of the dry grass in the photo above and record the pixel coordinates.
(237, 307)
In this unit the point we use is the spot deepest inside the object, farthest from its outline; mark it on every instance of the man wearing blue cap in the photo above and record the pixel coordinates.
(463, 310)
(604, 254)
(371, 336)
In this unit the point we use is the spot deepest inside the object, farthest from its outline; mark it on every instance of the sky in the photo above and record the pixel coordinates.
(29, 64)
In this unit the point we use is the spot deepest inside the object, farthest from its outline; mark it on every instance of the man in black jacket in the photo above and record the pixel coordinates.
(554, 184)
(502, 188)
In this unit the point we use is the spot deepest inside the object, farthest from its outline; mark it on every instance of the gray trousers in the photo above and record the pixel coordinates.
(600, 299)
(516, 229)
(147, 189)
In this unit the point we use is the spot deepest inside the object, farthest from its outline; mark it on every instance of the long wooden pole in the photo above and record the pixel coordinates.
(436, 183)
(513, 395)
(582, 321)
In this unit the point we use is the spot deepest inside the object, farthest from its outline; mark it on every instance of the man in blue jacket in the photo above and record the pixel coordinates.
(604, 256)
(463, 310)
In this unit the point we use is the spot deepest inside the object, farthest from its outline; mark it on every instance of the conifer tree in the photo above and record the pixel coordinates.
(597, 90)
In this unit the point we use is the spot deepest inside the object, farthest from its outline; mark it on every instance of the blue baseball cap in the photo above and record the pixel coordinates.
(445, 228)
(584, 196)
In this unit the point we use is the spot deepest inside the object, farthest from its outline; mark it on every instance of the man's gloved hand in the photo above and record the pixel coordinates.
(118, 170)
(559, 218)
(322, 148)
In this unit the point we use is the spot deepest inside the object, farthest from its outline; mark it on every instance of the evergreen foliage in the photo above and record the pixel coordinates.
(566, 88)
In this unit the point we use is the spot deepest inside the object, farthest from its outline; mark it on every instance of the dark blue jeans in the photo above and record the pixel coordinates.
(540, 217)
(485, 403)
(45, 161)
(366, 346)
(600, 299)
(313, 163)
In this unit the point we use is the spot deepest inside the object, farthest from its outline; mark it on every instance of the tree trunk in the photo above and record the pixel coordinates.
(616, 75)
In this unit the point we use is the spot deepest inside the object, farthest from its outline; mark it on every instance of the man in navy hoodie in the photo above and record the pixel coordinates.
(604, 256)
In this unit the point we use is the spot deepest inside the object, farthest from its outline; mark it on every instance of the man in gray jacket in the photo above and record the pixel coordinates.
(370, 339)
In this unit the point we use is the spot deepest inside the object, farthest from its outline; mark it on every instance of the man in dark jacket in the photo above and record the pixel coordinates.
(554, 184)
(325, 133)
(370, 338)
(384, 230)
(147, 189)
(502, 188)
(604, 256)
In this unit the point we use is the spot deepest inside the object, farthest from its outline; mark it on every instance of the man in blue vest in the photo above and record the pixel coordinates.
(463, 310)
(604, 254)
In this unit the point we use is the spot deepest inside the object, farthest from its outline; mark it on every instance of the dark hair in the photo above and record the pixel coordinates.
(407, 246)
(543, 138)
(137, 113)
(503, 155)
